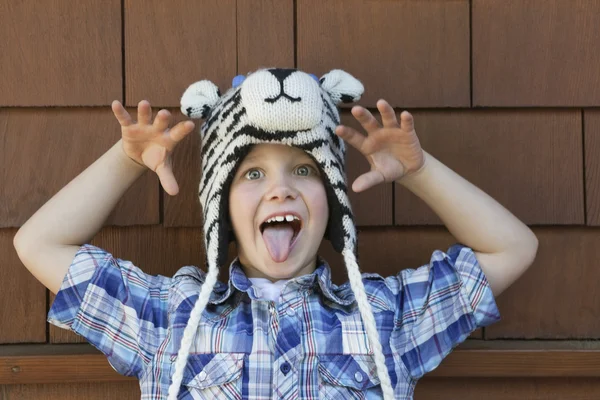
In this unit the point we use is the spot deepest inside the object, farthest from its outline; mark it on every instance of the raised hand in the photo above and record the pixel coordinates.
(393, 150)
(151, 144)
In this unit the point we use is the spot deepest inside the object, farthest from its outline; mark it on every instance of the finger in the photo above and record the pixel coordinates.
(367, 181)
(181, 130)
(366, 119)
(162, 120)
(407, 122)
(121, 113)
(351, 136)
(167, 179)
(144, 112)
(388, 115)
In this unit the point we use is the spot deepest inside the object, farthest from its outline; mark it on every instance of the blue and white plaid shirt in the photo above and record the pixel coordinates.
(310, 345)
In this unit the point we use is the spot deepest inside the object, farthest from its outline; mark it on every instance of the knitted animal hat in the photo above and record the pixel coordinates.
(282, 106)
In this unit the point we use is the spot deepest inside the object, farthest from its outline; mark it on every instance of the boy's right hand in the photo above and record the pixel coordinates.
(152, 144)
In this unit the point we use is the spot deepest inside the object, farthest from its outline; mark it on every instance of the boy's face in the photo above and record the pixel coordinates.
(278, 181)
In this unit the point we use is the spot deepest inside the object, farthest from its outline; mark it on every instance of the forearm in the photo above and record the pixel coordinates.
(77, 212)
(474, 218)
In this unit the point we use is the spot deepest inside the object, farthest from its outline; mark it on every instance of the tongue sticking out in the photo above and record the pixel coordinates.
(278, 239)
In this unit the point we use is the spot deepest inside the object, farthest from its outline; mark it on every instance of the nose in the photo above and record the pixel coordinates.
(281, 189)
(281, 73)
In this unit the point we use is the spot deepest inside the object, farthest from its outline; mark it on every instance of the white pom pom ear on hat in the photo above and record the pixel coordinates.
(341, 86)
(199, 98)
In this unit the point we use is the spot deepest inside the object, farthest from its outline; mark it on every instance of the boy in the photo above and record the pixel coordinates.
(273, 181)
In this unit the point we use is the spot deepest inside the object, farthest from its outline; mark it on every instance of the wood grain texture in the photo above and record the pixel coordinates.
(374, 206)
(509, 389)
(412, 53)
(388, 250)
(80, 368)
(44, 149)
(54, 54)
(22, 298)
(170, 45)
(72, 391)
(557, 297)
(519, 364)
(184, 210)
(153, 249)
(265, 34)
(530, 161)
(58, 369)
(532, 53)
(591, 131)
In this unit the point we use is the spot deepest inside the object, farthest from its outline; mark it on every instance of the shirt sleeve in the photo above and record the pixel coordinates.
(439, 305)
(115, 306)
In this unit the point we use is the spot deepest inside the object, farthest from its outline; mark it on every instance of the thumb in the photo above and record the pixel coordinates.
(367, 181)
(167, 179)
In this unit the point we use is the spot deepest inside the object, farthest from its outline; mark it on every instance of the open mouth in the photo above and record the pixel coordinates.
(280, 233)
(282, 220)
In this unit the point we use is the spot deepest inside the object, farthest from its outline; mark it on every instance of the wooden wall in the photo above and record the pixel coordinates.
(506, 92)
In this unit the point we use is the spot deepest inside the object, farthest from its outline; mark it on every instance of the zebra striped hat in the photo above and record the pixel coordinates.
(282, 106)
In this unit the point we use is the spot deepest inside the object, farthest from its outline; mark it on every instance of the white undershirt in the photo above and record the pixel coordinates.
(268, 290)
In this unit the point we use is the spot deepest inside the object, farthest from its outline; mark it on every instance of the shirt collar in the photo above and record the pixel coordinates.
(321, 278)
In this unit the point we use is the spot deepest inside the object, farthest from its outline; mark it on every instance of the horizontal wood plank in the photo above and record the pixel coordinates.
(126, 390)
(528, 160)
(56, 54)
(44, 149)
(591, 130)
(36, 369)
(412, 53)
(555, 388)
(557, 297)
(22, 298)
(536, 53)
(265, 34)
(170, 45)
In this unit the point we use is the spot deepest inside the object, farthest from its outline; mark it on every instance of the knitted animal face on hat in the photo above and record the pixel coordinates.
(270, 106)
(273, 106)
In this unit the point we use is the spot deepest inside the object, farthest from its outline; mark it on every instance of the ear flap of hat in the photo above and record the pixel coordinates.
(199, 98)
(341, 86)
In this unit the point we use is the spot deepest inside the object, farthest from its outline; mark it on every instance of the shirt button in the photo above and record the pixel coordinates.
(285, 368)
(290, 312)
(358, 376)
(202, 375)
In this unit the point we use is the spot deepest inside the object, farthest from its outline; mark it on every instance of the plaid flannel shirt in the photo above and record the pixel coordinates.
(310, 345)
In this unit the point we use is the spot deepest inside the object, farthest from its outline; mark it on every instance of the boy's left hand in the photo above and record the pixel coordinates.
(393, 150)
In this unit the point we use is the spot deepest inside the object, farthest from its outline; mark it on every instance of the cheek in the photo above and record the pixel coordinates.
(243, 201)
(318, 202)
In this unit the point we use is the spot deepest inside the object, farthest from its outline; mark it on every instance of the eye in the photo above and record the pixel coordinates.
(253, 174)
(304, 170)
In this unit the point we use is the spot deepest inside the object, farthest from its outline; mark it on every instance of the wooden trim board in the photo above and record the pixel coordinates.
(62, 368)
